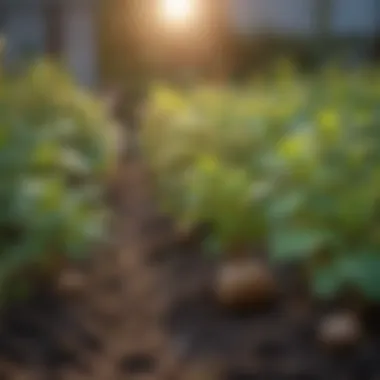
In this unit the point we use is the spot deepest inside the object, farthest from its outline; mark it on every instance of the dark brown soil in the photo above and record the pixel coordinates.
(147, 312)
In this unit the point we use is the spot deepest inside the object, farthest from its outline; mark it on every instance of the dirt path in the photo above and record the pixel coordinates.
(130, 300)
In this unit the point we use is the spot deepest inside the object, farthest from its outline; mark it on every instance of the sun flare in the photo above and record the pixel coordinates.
(178, 11)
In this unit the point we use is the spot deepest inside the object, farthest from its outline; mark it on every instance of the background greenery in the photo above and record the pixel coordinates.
(290, 160)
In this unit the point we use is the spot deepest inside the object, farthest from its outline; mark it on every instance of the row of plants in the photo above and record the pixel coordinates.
(287, 161)
(57, 151)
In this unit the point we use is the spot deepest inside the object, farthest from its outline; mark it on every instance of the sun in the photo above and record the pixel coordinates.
(178, 11)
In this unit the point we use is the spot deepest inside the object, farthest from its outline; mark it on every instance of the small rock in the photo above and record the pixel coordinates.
(244, 283)
(340, 330)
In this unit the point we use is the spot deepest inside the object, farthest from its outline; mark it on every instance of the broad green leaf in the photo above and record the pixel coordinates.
(297, 243)
(327, 282)
(286, 206)
(362, 270)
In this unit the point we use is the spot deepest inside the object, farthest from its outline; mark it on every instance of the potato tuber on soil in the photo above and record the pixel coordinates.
(244, 283)
(340, 330)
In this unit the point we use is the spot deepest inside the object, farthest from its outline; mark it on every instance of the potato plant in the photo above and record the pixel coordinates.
(289, 160)
(57, 148)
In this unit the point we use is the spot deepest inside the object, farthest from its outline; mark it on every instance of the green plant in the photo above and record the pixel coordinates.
(57, 147)
(296, 156)
(227, 198)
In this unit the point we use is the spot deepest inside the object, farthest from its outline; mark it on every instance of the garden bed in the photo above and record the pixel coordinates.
(148, 312)
(163, 299)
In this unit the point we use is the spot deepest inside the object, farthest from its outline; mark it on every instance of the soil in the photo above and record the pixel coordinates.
(146, 311)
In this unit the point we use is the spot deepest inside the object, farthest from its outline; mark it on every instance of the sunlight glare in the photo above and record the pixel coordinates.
(178, 11)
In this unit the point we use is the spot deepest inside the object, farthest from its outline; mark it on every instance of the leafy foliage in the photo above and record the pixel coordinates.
(57, 148)
(290, 160)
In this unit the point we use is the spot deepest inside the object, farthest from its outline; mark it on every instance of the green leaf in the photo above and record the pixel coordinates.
(297, 243)
(362, 270)
(286, 206)
(213, 247)
(74, 162)
(327, 282)
(45, 154)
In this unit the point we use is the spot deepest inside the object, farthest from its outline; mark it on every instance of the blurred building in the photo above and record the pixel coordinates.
(64, 28)
(340, 18)
(311, 31)
(68, 28)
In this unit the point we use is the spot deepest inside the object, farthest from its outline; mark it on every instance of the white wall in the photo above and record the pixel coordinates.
(299, 16)
(280, 16)
(79, 40)
(354, 16)
(290, 16)
(246, 16)
(24, 31)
